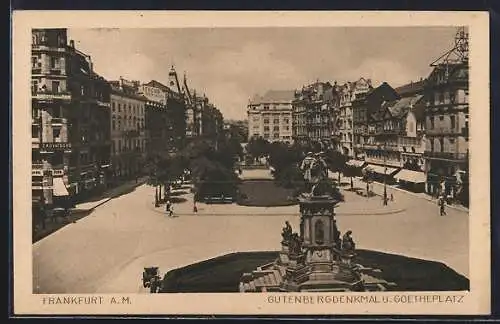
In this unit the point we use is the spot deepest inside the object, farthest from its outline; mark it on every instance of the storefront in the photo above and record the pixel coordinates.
(60, 194)
(380, 173)
(411, 180)
(433, 184)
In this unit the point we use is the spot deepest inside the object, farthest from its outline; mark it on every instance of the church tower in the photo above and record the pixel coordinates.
(173, 80)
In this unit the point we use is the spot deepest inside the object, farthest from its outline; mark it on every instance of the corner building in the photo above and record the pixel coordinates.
(70, 121)
(270, 116)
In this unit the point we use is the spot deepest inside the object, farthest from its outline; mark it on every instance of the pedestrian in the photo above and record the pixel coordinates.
(392, 197)
(195, 209)
(168, 205)
(442, 211)
(171, 212)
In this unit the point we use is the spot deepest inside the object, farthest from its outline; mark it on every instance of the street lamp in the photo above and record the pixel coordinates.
(385, 173)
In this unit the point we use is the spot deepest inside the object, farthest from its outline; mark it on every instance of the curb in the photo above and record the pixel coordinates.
(462, 209)
(375, 213)
(80, 211)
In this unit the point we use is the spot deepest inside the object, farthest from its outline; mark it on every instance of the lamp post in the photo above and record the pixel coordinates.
(385, 174)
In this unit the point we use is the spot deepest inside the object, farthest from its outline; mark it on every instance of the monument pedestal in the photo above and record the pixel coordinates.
(316, 259)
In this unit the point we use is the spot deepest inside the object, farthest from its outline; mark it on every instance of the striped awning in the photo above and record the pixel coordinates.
(356, 163)
(60, 188)
(411, 176)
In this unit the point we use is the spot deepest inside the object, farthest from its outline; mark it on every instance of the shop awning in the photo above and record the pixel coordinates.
(356, 163)
(380, 169)
(411, 176)
(60, 188)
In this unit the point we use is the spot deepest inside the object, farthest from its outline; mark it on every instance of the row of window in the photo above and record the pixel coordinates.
(127, 124)
(275, 121)
(275, 128)
(433, 119)
(117, 147)
(132, 108)
(51, 86)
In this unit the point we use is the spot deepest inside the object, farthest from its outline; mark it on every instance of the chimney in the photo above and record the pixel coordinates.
(71, 43)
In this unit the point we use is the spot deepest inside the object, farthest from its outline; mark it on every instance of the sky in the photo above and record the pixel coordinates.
(231, 65)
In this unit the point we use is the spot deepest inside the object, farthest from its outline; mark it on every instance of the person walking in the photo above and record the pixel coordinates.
(392, 197)
(171, 212)
(442, 203)
(168, 206)
(195, 208)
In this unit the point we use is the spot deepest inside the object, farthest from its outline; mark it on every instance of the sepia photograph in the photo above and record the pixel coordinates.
(321, 164)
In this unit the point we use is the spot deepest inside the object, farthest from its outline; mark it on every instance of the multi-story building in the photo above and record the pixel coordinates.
(128, 131)
(315, 111)
(70, 120)
(364, 106)
(165, 118)
(394, 142)
(447, 122)
(156, 117)
(270, 116)
(347, 93)
(212, 121)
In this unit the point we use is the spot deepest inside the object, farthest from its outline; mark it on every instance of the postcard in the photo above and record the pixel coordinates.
(250, 163)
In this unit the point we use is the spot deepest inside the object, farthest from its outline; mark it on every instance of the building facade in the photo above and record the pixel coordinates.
(315, 112)
(347, 93)
(364, 107)
(128, 131)
(70, 121)
(270, 116)
(447, 125)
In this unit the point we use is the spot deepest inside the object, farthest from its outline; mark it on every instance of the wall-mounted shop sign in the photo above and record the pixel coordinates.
(56, 146)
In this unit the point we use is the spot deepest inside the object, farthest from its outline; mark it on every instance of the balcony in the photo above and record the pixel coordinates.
(57, 70)
(44, 47)
(58, 121)
(446, 156)
(103, 104)
(51, 96)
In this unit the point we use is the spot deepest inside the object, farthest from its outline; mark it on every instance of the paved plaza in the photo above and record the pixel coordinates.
(106, 251)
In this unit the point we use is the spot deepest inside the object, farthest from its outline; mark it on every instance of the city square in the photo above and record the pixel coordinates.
(157, 171)
(106, 251)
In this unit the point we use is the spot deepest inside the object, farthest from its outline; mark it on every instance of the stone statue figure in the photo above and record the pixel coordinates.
(336, 235)
(287, 233)
(295, 244)
(348, 244)
(315, 169)
(306, 165)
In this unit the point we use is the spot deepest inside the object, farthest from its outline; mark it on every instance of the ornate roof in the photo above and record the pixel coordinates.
(274, 96)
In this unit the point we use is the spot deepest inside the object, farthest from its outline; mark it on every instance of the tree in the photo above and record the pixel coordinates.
(352, 171)
(257, 147)
(212, 170)
(368, 176)
(336, 162)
